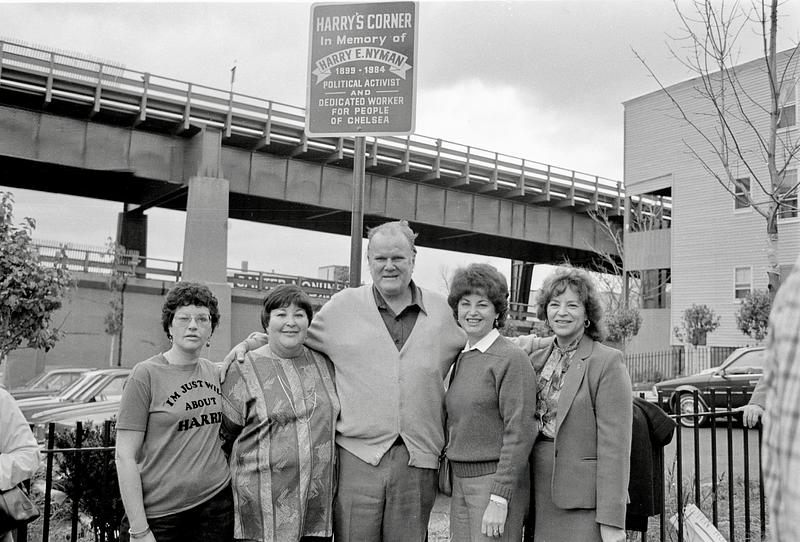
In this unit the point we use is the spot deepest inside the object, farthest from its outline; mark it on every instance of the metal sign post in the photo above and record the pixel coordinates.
(357, 216)
(361, 81)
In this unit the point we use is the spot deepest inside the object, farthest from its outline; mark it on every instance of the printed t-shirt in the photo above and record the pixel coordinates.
(179, 409)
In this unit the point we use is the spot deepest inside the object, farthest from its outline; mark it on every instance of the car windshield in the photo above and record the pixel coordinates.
(56, 381)
(36, 381)
(77, 386)
(104, 388)
(753, 359)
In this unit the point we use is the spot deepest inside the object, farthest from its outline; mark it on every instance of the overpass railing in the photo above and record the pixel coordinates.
(100, 88)
(86, 259)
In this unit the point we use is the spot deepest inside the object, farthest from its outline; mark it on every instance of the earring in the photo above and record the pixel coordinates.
(587, 323)
(208, 343)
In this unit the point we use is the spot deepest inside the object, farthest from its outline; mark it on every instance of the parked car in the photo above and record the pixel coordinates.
(49, 383)
(66, 416)
(93, 386)
(739, 372)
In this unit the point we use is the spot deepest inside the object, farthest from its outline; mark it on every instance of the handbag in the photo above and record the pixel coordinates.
(16, 509)
(445, 478)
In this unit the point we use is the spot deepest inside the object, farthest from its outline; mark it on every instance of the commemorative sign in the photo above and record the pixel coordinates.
(362, 69)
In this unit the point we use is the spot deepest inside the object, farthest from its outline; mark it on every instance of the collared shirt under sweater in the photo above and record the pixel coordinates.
(399, 325)
(385, 392)
(490, 414)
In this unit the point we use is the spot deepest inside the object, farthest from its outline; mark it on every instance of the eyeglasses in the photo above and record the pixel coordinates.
(183, 320)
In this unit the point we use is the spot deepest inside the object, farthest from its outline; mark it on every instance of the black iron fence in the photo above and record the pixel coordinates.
(79, 466)
(715, 467)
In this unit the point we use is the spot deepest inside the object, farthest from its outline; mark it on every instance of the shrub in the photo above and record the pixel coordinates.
(541, 329)
(698, 321)
(622, 324)
(30, 293)
(753, 315)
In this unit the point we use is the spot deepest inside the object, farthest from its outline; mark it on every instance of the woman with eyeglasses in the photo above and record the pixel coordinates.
(279, 420)
(173, 477)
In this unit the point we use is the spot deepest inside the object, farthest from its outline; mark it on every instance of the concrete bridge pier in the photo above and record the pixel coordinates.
(205, 242)
(132, 231)
(205, 251)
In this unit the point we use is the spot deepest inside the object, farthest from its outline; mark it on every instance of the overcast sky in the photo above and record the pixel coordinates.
(540, 80)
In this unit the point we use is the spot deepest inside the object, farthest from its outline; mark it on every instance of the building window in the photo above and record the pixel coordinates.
(656, 288)
(742, 282)
(740, 191)
(788, 113)
(787, 191)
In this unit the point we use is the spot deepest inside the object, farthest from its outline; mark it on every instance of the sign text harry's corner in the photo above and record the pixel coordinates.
(362, 69)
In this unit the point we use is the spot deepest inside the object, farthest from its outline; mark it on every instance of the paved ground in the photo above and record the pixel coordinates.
(439, 525)
(705, 456)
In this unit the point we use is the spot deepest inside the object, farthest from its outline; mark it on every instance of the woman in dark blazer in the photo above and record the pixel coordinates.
(581, 458)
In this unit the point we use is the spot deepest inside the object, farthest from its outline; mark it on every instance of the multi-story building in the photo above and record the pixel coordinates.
(712, 249)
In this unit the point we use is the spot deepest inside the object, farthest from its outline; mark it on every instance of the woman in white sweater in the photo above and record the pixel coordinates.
(19, 453)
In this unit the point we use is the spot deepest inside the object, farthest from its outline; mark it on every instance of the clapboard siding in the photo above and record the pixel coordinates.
(651, 336)
(708, 238)
(648, 250)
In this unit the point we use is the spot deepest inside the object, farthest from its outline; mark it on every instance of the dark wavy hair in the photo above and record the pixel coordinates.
(483, 279)
(283, 296)
(582, 284)
(189, 293)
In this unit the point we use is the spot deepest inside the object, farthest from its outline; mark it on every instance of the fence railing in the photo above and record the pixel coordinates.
(653, 366)
(82, 471)
(87, 259)
(700, 358)
(677, 361)
(716, 467)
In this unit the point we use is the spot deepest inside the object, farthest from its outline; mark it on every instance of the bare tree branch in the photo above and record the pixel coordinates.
(738, 132)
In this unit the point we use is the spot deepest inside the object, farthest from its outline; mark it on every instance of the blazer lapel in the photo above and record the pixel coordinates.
(573, 379)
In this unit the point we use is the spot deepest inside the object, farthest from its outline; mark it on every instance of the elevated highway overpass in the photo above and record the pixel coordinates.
(74, 126)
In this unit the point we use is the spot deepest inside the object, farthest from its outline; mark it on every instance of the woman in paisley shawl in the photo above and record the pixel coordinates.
(279, 417)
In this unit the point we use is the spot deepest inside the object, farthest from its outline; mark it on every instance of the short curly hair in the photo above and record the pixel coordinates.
(483, 279)
(189, 293)
(284, 295)
(582, 284)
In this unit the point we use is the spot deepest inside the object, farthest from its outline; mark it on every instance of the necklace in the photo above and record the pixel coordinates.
(312, 394)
